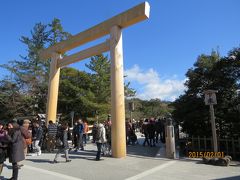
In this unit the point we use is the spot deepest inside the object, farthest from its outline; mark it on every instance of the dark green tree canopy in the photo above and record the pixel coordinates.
(211, 72)
(29, 73)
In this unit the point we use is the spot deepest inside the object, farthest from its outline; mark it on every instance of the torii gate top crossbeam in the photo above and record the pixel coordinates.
(123, 20)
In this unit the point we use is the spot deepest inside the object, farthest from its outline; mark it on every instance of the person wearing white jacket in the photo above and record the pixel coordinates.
(100, 139)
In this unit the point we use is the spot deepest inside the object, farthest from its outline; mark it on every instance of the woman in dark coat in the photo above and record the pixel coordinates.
(62, 135)
(15, 152)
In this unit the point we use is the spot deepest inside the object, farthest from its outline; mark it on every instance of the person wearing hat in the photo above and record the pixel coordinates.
(26, 135)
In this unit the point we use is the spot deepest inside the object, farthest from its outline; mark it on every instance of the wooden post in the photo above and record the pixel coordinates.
(239, 145)
(117, 94)
(193, 147)
(53, 88)
(227, 147)
(199, 144)
(215, 146)
(212, 143)
(170, 142)
(233, 148)
(205, 144)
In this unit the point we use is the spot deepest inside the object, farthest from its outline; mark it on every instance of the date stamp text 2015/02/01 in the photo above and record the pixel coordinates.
(209, 154)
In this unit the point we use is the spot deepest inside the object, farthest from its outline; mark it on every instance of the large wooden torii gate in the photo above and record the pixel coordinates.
(112, 26)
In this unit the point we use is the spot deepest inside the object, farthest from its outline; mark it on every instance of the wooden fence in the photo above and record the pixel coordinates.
(203, 144)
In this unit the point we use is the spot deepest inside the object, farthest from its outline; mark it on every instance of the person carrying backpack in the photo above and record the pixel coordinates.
(62, 145)
(100, 139)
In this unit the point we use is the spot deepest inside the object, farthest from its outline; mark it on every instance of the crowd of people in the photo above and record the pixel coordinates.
(13, 144)
(152, 129)
(17, 139)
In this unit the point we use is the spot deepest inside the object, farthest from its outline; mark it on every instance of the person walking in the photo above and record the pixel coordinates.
(43, 140)
(15, 151)
(108, 137)
(62, 138)
(51, 136)
(158, 129)
(145, 132)
(128, 131)
(80, 130)
(75, 135)
(37, 137)
(100, 139)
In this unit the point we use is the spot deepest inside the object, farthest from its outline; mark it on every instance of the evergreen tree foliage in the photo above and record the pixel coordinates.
(30, 73)
(211, 72)
(147, 108)
(100, 74)
(87, 94)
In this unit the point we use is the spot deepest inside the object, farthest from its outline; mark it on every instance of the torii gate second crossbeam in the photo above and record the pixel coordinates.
(112, 26)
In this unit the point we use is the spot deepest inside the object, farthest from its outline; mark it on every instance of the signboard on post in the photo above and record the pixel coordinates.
(131, 106)
(210, 97)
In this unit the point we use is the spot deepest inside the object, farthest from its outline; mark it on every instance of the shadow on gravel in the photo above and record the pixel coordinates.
(78, 157)
(86, 154)
(142, 151)
(94, 159)
(229, 178)
(82, 153)
(199, 161)
(40, 160)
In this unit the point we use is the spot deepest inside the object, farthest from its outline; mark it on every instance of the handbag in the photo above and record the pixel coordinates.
(59, 142)
(28, 141)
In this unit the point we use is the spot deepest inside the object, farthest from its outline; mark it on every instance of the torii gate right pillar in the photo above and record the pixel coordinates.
(117, 94)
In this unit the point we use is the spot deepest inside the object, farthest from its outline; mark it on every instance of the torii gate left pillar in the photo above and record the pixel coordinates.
(112, 26)
(53, 86)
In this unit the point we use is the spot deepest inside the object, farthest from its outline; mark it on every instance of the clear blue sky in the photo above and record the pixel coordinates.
(163, 48)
